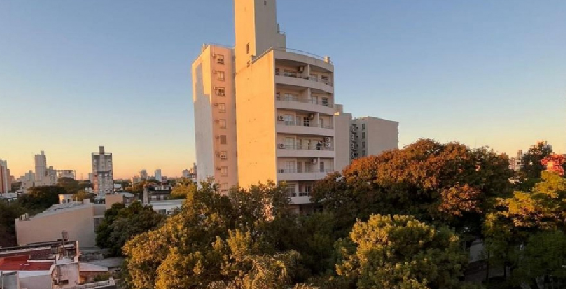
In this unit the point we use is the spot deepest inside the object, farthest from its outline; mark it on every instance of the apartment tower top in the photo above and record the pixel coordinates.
(256, 29)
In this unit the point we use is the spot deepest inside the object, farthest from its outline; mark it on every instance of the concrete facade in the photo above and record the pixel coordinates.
(215, 116)
(373, 136)
(5, 180)
(102, 172)
(78, 219)
(288, 127)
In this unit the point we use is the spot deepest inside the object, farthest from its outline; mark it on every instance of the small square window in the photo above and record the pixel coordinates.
(220, 75)
(223, 139)
(223, 155)
(220, 91)
(222, 123)
(219, 58)
(221, 107)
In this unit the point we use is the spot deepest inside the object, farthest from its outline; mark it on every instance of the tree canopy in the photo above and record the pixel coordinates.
(442, 183)
(400, 252)
(121, 223)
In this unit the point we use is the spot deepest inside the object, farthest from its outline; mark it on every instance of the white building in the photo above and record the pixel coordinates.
(71, 174)
(40, 167)
(265, 112)
(102, 172)
(158, 176)
(373, 136)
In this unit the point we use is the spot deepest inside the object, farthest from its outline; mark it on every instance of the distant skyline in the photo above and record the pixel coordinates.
(78, 74)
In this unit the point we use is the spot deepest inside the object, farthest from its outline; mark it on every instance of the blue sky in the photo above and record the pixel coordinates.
(78, 74)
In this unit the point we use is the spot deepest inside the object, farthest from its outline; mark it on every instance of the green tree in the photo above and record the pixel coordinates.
(182, 189)
(527, 220)
(104, 228)
(443, 183)
(234, 241)
(543, 260)
(8, 212)
(401, 252)
(532, 166)
(70, 185)
(40, 198)
(122, 223)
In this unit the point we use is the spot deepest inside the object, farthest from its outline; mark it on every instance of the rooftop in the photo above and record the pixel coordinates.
(21, 263)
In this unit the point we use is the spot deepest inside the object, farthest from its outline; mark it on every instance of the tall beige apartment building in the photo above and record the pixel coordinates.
(215, 115)
(275, 117)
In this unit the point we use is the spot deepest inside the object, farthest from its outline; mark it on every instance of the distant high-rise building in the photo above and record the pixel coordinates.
(102, 172)
(186, 174)
(143, 175)
(71, 174)
(90, 178)
(40, 167)
(158, 176)
(5, 180)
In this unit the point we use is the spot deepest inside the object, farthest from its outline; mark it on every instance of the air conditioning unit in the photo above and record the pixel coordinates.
(216, 104)
(281, 146)
(280, 118)
(217, 121)
(326, 139)
(314, 161)
(217, 137)
(281, 171)
(311, 116)
(327, 145)
(218, 168)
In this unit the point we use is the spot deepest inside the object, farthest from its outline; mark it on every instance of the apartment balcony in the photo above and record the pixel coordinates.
(304, 151)
(304, 175)
(300, 198)
(311, 105)
(310, 128)
(299, 79)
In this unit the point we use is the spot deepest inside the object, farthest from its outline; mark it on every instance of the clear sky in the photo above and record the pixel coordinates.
(78, 74)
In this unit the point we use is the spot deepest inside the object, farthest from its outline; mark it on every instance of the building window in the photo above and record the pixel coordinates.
(223, 155)
(325, 101)
(363, 126)
(220, 75)
(222, 123)
(222, 107)
(363, 134)
(219, 58)
(224, 187)
(248, 48)
(220, 91)
(224, 171)
(363, 153)
(364, 144)
(223, 139)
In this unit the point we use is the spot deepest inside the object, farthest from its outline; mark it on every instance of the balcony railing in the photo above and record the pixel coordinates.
(302, 100)
(307, 124)
(312, 77)
(304, 171)
(299, 194)
(317, 147)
